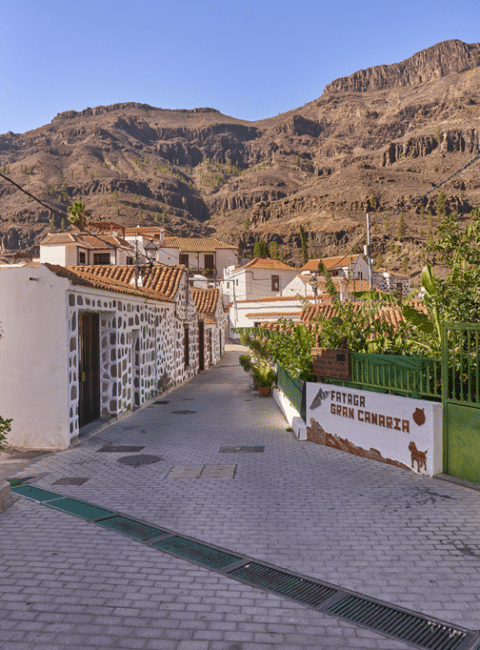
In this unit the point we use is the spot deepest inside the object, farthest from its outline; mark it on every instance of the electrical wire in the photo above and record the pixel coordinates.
(416, 200)
(58, 214)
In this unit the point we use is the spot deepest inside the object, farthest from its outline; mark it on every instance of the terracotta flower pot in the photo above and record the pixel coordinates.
(265, 391)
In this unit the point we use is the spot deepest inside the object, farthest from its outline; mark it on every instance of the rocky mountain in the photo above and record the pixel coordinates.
(372, 142)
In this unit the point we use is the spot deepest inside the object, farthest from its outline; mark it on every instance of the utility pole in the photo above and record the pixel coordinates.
(315, 285)
(366, 250)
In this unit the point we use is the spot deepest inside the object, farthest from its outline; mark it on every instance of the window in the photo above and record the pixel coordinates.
(209, 262)
(184, 258)
(81, 257)
(399, 287)
(275, 283)
(130, 261)
(101, 258)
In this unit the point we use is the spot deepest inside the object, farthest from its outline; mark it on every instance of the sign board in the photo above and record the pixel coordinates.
(334, 364)
(399, 431)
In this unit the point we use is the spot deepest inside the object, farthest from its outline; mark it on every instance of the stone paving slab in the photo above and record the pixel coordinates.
(365, 526)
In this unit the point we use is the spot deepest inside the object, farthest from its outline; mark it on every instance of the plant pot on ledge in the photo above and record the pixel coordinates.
(265, 391)
(264, 377)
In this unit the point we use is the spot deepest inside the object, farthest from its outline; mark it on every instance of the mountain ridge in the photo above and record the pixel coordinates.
(372, 141)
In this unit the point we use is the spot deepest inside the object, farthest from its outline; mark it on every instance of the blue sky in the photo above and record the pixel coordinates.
(251, 60)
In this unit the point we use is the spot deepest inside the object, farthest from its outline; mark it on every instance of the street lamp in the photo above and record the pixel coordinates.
(150, 252)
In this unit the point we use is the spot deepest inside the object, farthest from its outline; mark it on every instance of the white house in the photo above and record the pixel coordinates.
(304, 284)
(260, 278)
(172, 282)
(389, 281)
(349, 266)
(78, 346)
(207, 254)
(212, 326)
(105, 243)
(251, 313)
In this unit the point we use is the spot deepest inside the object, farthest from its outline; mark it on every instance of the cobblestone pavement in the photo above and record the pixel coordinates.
(365, 526)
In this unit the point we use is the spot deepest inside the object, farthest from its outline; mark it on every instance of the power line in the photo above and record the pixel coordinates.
(58, 214)
(416, 200)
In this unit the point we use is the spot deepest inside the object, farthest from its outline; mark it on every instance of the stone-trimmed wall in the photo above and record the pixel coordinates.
(137, 351)
(390, 284)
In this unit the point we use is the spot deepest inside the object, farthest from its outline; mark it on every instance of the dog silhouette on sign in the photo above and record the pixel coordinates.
(419, 456)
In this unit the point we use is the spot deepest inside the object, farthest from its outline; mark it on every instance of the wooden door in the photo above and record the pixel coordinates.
(201, 345)
(89, 359)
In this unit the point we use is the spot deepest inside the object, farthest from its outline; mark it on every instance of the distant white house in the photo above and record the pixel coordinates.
(106, 243)
(206, 254)
(77, 248)
(212, 326)
(353, 267)
(260, 278)
(388, 281)
(304, 284)
(251, 313)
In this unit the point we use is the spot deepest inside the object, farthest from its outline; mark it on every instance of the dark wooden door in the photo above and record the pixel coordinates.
(89, 358)
(201, 345)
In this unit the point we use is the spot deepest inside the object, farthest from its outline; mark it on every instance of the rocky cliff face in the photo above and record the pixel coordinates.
(440, 60)
(372, 142)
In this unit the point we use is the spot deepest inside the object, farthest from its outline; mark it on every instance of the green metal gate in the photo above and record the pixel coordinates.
(461, 400)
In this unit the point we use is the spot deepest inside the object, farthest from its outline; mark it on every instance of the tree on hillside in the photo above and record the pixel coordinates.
(402, 227)
(303, 241)
(260, 249)
(275, 251)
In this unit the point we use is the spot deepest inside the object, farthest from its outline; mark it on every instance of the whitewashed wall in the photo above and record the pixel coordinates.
(39, 364)
(377, 426)
(33, 358)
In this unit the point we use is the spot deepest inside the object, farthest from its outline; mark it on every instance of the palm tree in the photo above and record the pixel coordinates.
(78, 214)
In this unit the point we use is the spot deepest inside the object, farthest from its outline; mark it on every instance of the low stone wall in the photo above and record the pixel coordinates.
(396, 430)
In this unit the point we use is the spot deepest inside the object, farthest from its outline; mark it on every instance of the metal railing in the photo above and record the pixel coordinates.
(294, 389)
(415, 377)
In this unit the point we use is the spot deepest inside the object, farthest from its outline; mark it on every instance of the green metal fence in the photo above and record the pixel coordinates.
(386, 373)
(294, 389)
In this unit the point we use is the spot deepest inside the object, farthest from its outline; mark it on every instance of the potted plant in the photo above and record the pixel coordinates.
(245, 361)
(265, 378)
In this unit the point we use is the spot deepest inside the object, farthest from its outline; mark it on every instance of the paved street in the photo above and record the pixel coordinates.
(372, 528)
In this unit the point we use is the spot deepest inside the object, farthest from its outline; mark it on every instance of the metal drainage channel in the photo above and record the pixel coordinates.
(394, 622)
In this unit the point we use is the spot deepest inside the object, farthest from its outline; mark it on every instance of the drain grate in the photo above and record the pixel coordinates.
(200, 553)
(242, 450)
(186, 412)
(401, 625)
(15, 482)
(37, 494)
(112, 449)
(139, 461)
(71, 481)
(80, 509)
(132, 528)
(418, 630)
(300, 589)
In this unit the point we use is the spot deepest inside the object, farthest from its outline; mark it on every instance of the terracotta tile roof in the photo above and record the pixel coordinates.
(78, 276)
(210, 321)
(265, 263)
(162, 278)
(206, 300)
(275, 314)
(276, 299)
(194, 244)
(330, 262)
(86, 241)
(395, 275)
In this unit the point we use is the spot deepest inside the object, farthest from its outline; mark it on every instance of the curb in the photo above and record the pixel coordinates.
(6, 497)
